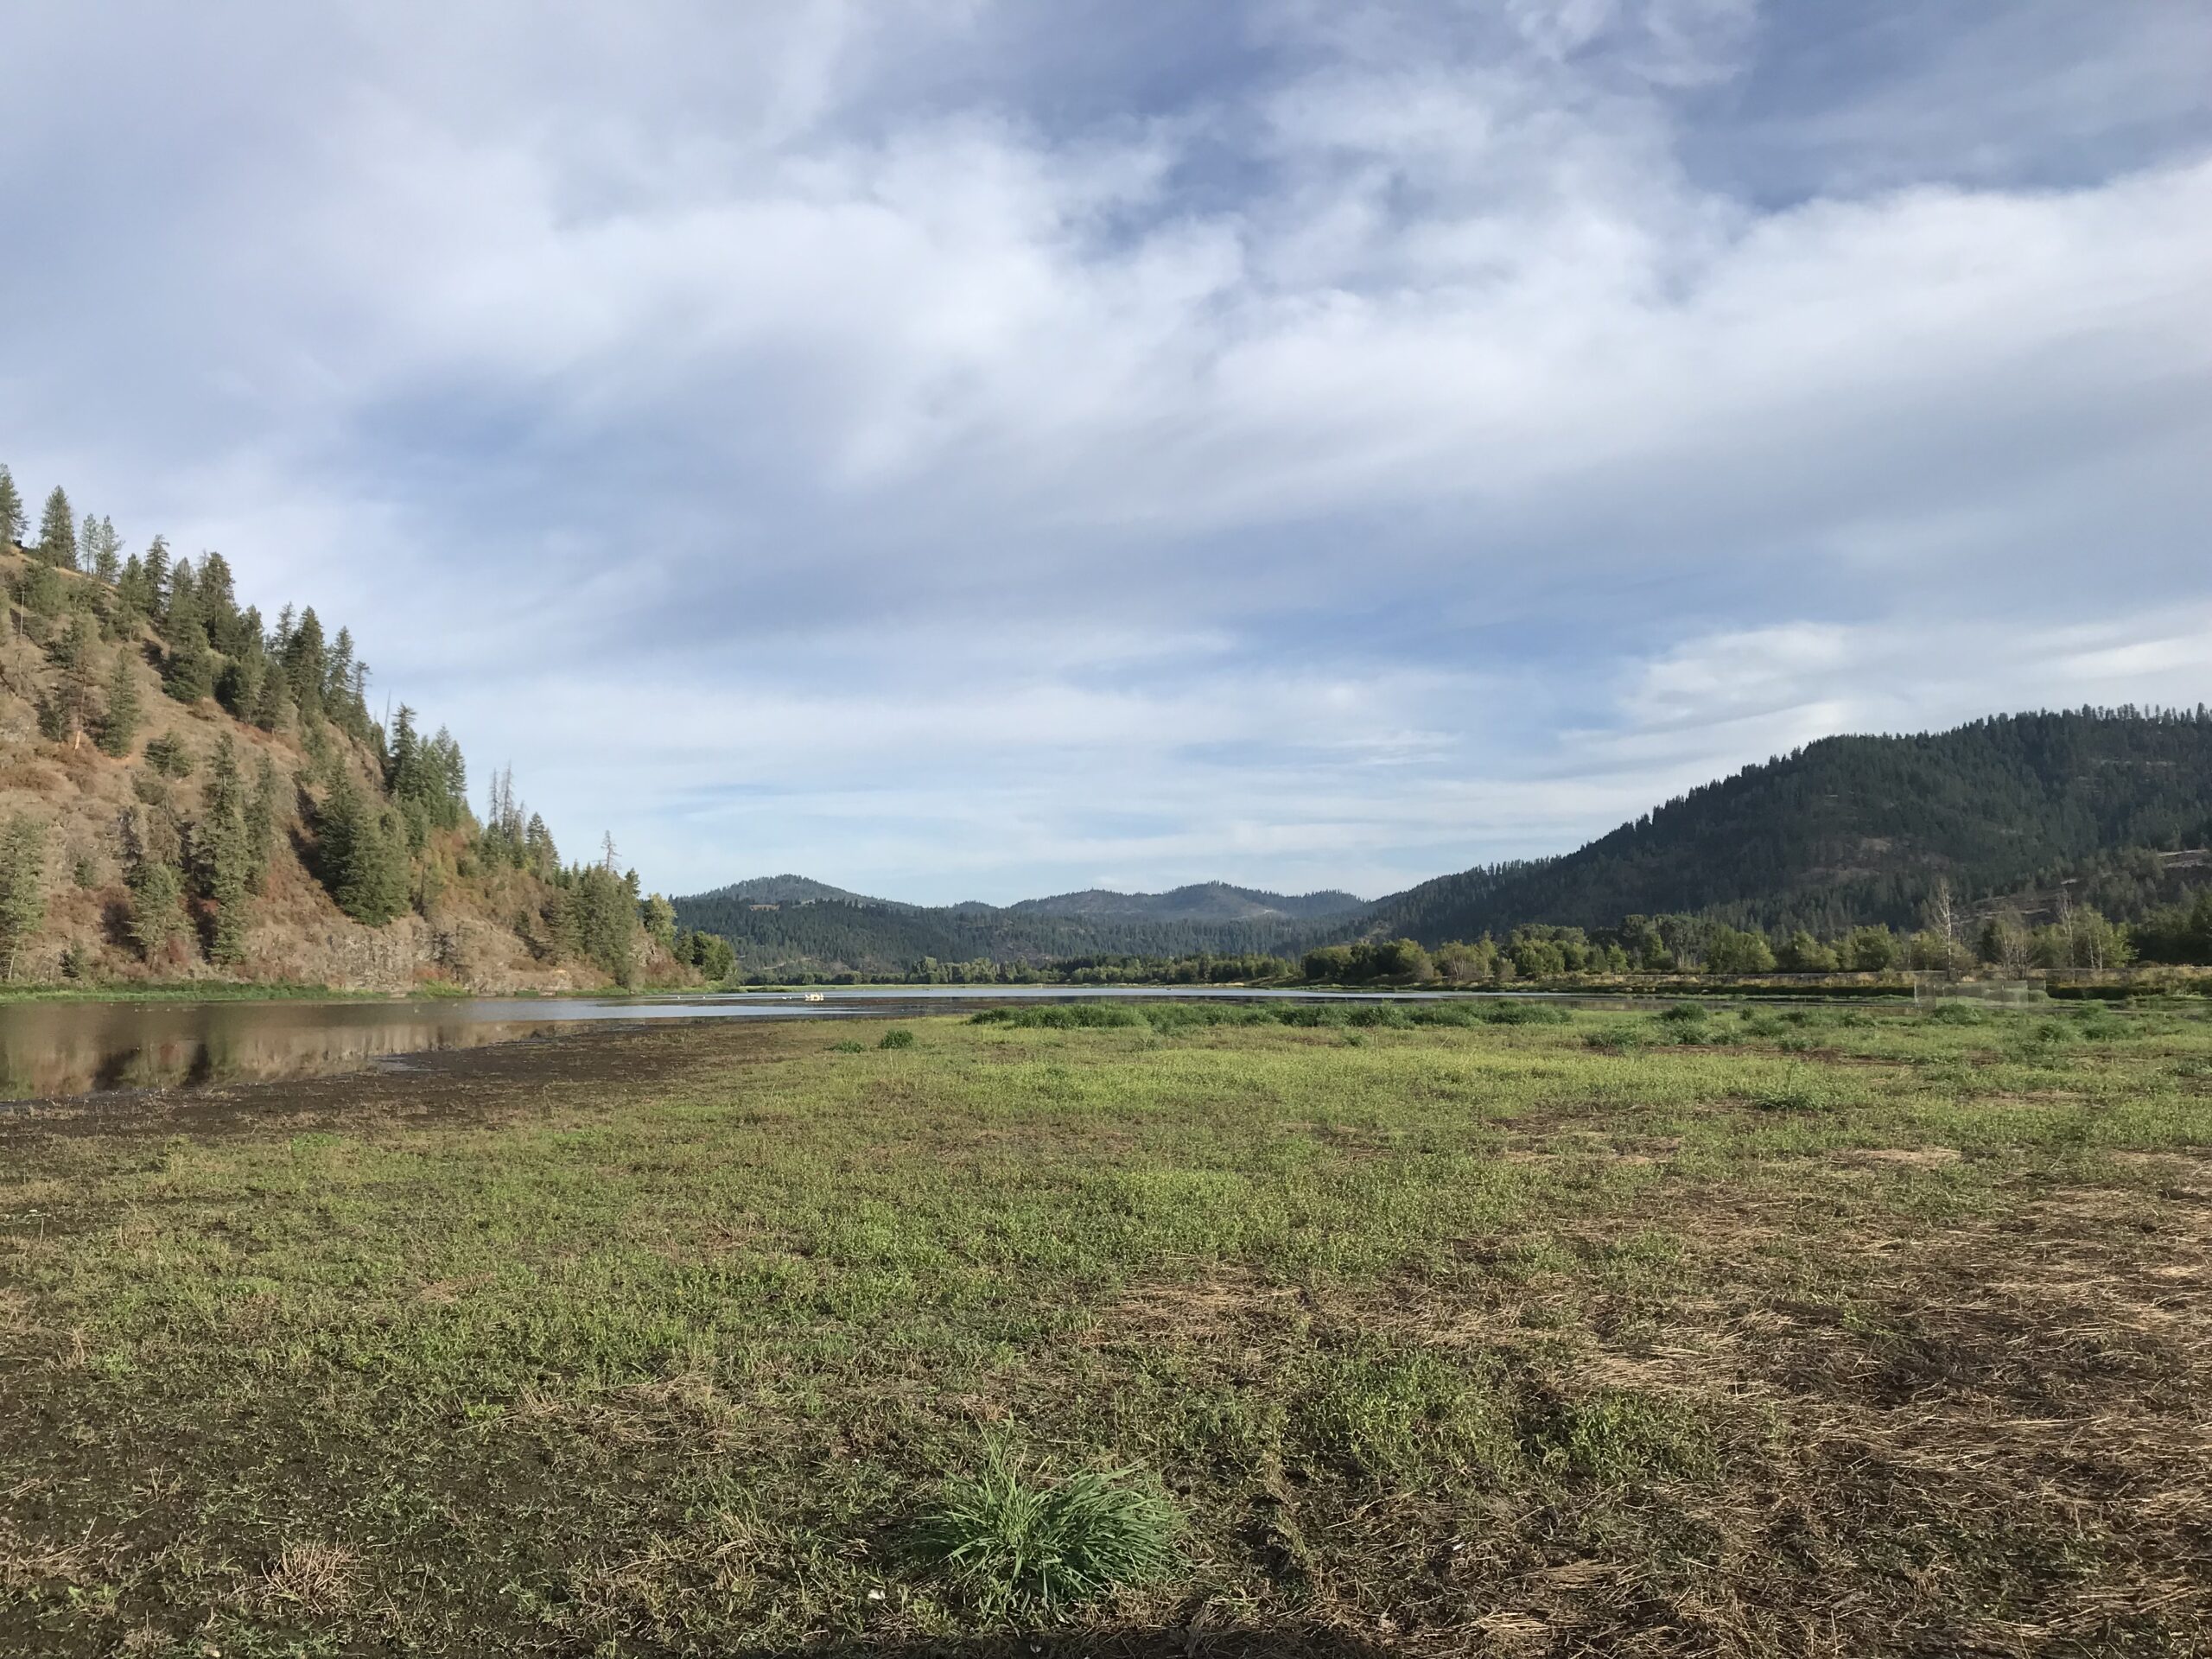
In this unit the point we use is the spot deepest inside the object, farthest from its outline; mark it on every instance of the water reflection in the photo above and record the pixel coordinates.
(50, 1050)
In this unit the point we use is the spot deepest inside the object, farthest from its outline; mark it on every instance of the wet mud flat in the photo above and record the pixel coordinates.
(540, 1070)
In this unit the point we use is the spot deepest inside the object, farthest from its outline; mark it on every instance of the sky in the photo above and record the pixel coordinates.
(955, 449)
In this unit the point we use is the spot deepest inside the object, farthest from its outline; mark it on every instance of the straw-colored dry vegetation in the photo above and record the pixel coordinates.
(1825, 1332)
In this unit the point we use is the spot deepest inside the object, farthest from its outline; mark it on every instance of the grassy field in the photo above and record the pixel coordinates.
(1826, 1331)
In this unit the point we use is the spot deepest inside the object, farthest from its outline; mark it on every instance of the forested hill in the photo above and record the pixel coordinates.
(189, 790)
(871, 936)
(1854, 829)
(787, 890)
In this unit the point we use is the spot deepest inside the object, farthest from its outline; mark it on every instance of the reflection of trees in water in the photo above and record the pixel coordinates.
(66, 1052)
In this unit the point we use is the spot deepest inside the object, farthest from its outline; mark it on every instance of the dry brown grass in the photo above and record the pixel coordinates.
(309, 1576)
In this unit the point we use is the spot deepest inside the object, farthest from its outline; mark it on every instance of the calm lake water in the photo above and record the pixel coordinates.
(52, 1050)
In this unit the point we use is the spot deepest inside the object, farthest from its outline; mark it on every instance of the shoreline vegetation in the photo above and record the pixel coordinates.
(1326, 1330)
(2144, 981)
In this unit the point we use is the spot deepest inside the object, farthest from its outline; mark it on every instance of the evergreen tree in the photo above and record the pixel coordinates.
(132, 605)
(157, 905)
(362, 848)
(222, 854)
(261, 811)
(75, 700)
(189, 676)
(183, 623)
(272, 701)
(74, 643)
(22, 886)
(219, 605)
(14, 525)
(239, 682)
(157, 575)
(539, 853)
(605, 912)
(305, 665)
(57, 532)
(107, 553)
(39, 589)
(120, 725)
(338, 679)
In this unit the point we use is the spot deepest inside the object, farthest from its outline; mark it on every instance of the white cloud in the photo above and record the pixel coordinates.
(796, 426)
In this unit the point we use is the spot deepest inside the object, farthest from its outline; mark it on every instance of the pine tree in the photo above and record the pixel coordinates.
(362, 848)
(22, 886)
(190, 675)
(237, 686)
(157, 575)
(157, 905)
(75, 700)
(222, 855)
(304, 664)
(39, 589)
(338, 677)
(120, 725)
(219, 604)
(57, 532)
(182, 622)
(272, 701)
(13, 524)
(540, 855)
(132, 604)
(106, 558)
(260, 824)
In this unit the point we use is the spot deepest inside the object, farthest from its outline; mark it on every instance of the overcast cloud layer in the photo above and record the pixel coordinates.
(972, 450)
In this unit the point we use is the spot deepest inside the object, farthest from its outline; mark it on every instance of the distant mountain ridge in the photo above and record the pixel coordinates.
(1202, 901)
(1845, 831)
(793, 922)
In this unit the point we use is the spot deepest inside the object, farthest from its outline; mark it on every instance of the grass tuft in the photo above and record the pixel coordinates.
(897, 1037)
(1019, 1543)
(1618, 1435)
(1800, 1091)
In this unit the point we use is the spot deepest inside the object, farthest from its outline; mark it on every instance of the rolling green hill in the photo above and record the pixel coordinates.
(1853, 829)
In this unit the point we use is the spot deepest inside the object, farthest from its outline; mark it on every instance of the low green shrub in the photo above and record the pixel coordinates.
(1956, 1013)
(1062, 1016)
(1507, 1012)
(897, 1037)
(1623, 1038)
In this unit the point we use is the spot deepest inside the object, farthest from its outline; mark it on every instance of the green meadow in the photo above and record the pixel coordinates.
(1821, 1332)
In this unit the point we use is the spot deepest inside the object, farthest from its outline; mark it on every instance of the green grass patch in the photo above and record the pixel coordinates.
(1277, 1319)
